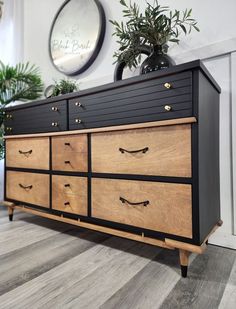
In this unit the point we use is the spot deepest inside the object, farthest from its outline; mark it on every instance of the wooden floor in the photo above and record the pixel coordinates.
(47, 264)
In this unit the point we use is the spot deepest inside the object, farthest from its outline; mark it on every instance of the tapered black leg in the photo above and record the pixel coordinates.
(184, 271)
(207, 242)
(184, 256)
(10, 213)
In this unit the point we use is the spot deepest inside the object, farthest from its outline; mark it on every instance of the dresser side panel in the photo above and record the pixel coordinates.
(208, 152)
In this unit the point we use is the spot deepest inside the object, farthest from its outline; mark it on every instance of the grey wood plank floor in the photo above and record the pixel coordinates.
(48, 264)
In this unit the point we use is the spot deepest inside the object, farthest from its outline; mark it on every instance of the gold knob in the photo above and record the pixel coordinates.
(78, 120)
(78, 104)
(54, 124)
(168, 108)
(54, 108)
(167, 85)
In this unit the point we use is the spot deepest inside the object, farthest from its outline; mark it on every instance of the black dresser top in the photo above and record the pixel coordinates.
(193, 65)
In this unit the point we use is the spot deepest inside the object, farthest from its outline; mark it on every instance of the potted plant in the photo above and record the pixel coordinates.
(155, 27)
(64, 86)
(17, 83)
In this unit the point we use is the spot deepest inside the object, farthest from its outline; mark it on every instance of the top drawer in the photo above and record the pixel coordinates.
(160, 151)
(37, 119)
(152, 100)
(28, 153)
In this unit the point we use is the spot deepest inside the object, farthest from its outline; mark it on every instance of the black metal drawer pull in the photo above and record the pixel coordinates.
(25, 187)
(67, 162)
(144, 150)
(123, 200)
(67, 185)
(67, 144)
(26, 152)
(67, 203)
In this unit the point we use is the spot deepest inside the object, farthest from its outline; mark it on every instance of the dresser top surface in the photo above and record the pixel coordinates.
(193, 65)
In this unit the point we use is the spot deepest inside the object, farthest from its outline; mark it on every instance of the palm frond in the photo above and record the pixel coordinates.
(19, 83)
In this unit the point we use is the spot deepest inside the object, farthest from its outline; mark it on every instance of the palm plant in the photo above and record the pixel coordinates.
(17, 83)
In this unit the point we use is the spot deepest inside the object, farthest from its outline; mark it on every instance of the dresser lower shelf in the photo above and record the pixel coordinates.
(185, 249)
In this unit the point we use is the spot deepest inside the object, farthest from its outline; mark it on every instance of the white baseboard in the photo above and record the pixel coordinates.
(223, 240)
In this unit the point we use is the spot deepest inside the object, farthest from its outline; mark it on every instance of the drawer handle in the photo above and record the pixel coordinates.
(67, 203)
(167, 85)
(67, 185)
(78, 120)
(78, 104)
(123, 200)
(67, 162)
(54, 124)
(55, 109)
(168, 108)
(67, 144)
(25, 152)
(25, 187)
(143, 150)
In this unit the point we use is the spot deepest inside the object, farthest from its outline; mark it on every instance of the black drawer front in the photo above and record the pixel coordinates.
(38, 119)
(139, 103)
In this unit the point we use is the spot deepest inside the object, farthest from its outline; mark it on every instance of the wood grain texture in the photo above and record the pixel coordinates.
(141, 238)
(169, 209)
(93, 290)
(169, 151)
(51, 265)
(55, 250)
(113, 128)
(70, 148)
(72, 190)
(228, 300)
(206, 282)
(183, 257)
(38, 194)
(185, 246)
(150, 287)
(37, 159)
(50, 285)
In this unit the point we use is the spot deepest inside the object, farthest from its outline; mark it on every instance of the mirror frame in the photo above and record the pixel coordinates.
(98, 45)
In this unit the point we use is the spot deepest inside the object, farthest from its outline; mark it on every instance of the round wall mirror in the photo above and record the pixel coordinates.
(77, 35)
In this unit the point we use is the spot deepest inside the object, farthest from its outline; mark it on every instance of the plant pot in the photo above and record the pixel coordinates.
(158, 60)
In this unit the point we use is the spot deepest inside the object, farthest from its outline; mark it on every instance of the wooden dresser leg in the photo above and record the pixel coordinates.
(183, 256)
(10, 212)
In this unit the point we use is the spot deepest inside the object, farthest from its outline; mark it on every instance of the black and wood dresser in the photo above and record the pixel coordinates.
(138, 158)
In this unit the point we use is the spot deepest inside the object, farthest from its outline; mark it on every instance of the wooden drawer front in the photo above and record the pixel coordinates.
(37, 119)
(166, 151)
(168, 206)
(140, 102)
(69, 194)
(70, 153)
(28, 187)
(28, 153)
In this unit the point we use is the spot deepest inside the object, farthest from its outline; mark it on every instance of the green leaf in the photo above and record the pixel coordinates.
(183, 28)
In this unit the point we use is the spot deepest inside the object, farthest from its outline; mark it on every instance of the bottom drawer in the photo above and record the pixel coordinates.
(28, 187)
(69, 194)
(163, 207)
